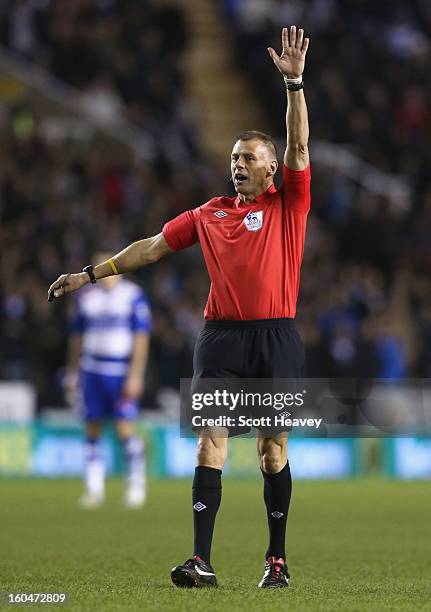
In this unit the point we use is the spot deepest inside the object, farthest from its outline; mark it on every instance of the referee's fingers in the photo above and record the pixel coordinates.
(285, 39)
(300, 38)
(57, 288)
(273, 55)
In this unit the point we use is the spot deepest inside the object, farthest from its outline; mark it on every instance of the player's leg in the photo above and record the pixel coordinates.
(210, 459)
(94, 466)
(272, 453)
(281, 354)
(133, 449)
(125, 411)
(218, 354)
(206, 497)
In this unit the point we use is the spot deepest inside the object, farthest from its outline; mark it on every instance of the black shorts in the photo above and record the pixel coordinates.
(264, 348)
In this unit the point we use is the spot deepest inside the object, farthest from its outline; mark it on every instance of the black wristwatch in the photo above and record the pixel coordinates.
(294, 86)
(89, 271)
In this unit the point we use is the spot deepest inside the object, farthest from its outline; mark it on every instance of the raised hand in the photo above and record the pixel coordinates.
(292, 59)
(66, 283)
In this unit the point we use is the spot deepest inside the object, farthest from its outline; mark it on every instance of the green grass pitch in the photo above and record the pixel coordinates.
(357, 545)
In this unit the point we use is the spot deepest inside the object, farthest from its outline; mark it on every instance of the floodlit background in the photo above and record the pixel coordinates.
(117, 115)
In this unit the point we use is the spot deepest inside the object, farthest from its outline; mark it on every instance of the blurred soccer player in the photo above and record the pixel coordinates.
(253, 246)
(107, 357)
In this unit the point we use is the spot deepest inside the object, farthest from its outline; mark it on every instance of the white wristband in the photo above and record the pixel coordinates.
(295, 81)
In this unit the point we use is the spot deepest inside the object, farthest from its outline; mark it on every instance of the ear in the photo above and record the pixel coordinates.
(272, 168)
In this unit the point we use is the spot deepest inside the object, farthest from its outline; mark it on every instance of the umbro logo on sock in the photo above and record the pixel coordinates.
(276, 514)
(199, 506)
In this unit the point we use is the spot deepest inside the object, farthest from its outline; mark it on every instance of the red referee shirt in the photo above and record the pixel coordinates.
(253, 252)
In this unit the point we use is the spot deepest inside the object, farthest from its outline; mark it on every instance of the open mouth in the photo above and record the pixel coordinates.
(239, 178)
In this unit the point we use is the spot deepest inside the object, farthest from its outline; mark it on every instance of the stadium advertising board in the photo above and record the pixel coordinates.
(17, 402)
(408, 458)
(44, 450)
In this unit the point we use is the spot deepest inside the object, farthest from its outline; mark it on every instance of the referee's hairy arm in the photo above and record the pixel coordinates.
(136, 255)
(291, 65)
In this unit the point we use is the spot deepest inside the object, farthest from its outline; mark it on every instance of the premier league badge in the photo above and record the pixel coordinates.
(254, 221)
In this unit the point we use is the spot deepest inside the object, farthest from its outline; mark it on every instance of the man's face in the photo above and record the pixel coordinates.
(253, 166)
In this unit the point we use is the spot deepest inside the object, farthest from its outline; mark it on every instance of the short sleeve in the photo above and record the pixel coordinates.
(181, 233)
(296, 189)
(141, 315)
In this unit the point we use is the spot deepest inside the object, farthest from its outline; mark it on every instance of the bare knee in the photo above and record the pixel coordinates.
(211, 451)
(125, 429)
(93, 429)
(272, 453)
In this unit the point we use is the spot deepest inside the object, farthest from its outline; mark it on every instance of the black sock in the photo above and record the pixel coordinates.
(277, 490)
(206, 502)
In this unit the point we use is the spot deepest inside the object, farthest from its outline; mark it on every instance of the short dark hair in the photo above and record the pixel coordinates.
(256, 135)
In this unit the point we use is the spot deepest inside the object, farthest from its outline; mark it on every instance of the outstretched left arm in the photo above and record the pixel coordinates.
(291, 64)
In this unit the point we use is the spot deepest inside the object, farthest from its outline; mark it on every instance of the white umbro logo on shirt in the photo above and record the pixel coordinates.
(220, 214)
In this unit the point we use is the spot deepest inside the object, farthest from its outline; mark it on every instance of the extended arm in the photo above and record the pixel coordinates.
(140, 253)
(136, 255)
(296, 154)
(291, 64)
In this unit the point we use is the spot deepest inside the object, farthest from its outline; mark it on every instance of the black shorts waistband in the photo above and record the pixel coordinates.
(249, 324)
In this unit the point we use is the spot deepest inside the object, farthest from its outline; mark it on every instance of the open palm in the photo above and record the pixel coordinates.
(292, 59)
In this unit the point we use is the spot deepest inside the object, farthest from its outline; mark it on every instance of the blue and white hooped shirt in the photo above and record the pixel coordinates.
(108, 318)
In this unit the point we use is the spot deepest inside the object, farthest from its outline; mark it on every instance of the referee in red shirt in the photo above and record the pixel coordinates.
(253, 246)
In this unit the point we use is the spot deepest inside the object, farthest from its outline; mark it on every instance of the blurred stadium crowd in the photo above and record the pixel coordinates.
(365, 302)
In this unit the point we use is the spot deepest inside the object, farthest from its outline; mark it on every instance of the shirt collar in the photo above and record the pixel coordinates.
(258, 199)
